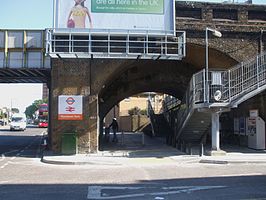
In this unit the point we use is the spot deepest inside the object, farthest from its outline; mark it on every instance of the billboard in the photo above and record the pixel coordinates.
(157, 15)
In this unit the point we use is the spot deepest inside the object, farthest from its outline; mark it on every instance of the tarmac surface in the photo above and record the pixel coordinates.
(139, 149)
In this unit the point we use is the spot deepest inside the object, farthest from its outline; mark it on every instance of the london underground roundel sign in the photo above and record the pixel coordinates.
(70, 100)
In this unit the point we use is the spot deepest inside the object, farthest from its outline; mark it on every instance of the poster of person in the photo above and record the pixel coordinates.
(149, 15)
(78, 14)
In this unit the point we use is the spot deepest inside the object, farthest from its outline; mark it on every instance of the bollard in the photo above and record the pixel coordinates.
(201, 149)
(143, 139)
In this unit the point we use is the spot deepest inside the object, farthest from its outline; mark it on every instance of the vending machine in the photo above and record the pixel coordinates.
(256, 133)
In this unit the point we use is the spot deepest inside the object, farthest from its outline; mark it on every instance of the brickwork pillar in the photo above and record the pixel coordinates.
(207, 14)
(242, 15)
(72, 77)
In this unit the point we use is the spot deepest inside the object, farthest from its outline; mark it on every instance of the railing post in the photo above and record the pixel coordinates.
(89, 42)
(229, 85)
(194, 87)
(108, 48)
(53, 41)
(184, 43)
(204, 86)
(127, 43)
(47, 42)
(147, 42)
(242, 76)
(70, 43)
(257, 67)
(166, 44)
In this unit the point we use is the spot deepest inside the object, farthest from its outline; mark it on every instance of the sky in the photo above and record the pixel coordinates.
(35, 14)
(19, 95)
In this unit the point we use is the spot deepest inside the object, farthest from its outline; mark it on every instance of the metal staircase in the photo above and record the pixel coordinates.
(223, 90)
(160, 126)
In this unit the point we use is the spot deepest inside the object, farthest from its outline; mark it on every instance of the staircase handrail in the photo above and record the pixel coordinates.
(170, 103)
(246, 78)
(252, 78)
(225, 88)
(151, 116)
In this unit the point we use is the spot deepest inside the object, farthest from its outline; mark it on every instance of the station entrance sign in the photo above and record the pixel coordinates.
(70, 107)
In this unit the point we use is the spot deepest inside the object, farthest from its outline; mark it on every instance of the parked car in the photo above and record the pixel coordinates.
(18, 122)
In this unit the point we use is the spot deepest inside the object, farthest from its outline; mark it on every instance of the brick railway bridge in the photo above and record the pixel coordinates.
(104, 82)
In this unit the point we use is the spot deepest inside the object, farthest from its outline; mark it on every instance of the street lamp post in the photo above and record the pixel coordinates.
(215, 115)
(217, 34)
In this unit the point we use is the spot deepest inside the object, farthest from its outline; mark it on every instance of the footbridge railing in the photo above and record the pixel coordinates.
(114, 43)
(223, 88)
(231, 87)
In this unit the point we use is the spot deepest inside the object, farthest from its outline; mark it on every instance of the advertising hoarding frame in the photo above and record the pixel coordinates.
(122, 31)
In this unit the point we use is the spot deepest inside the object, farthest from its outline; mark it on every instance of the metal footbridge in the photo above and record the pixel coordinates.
(25, 55)
(22, 57)
(207, 97)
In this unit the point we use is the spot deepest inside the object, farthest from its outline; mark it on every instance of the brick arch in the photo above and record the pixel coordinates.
(170, 77)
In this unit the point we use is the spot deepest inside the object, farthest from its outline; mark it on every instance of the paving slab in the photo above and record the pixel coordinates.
(154, 151)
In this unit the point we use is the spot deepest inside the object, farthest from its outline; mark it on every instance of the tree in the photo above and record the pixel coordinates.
(1, 114)
(137, 111)
(30, 110)
(134, 111)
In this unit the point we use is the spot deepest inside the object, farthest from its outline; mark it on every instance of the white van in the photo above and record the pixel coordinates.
(18, 122)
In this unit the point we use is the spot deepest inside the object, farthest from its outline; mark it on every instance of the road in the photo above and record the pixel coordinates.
(24, 177)
(22, 143)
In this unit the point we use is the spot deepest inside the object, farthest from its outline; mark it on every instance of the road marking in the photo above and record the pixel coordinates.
(249, 174)
(95, 192)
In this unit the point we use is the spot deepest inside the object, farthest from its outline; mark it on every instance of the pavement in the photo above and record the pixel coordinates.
(5, 127)
(130, 150)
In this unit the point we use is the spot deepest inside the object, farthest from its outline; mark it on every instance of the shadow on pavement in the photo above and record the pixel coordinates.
(230, 188)
(139, 145)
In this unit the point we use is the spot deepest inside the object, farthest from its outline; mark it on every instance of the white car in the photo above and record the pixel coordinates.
(18, 122)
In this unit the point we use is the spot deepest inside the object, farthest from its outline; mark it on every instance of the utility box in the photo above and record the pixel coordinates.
(256, 133)
(69, 143)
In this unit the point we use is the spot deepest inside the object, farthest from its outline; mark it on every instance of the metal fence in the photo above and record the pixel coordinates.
(107, 43)
(230, 87)
(224, 88)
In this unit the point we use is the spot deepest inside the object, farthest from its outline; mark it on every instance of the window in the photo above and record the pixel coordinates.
(225, 14)
(257, 15)
(194, 13)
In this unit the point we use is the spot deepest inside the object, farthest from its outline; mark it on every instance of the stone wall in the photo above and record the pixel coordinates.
(240, 24)
(72, 77)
